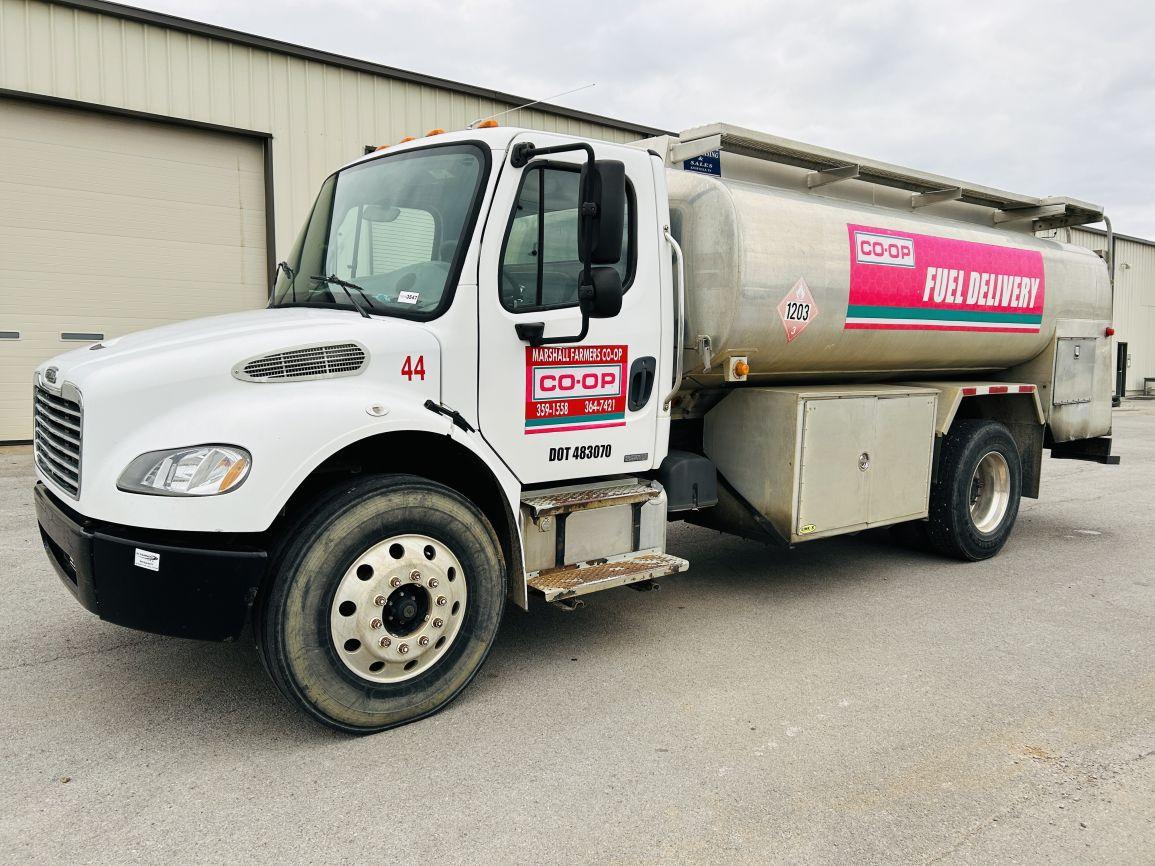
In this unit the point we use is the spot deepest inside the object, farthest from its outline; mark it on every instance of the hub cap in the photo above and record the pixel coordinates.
(398, 608)
(990, 492)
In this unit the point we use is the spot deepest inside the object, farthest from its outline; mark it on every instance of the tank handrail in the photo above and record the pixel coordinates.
(679, 315)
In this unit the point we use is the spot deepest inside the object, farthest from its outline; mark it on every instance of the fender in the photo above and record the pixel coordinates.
(403, 416)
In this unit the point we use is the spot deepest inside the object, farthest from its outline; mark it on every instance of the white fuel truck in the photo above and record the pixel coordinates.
(497, 362)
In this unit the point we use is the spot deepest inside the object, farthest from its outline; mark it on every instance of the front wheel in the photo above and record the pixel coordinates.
(975, 499)
(386, 602)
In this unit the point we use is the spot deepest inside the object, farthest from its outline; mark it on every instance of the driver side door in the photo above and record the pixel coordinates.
(580, 408)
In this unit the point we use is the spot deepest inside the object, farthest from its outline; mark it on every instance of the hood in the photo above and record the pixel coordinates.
(212, 347)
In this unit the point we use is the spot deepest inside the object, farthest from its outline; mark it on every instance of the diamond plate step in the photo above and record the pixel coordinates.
(579, 500)
(571, 580)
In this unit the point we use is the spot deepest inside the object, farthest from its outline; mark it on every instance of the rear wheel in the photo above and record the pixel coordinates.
(386, 602)
(975, 500)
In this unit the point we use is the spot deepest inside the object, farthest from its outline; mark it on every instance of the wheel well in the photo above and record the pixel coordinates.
(1017, 412)
(429, 455)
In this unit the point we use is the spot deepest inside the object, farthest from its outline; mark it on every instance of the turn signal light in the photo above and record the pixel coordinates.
(741, 369)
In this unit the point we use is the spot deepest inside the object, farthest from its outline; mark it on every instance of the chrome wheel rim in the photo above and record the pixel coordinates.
(990, 492)
(398, 608)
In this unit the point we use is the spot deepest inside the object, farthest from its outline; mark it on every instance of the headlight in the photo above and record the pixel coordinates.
(203, 470)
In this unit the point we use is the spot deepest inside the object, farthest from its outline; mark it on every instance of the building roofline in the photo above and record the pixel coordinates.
(1103, 233)
(212, 31)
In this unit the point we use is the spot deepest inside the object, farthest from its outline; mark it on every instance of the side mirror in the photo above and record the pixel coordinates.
(607, 191)
(602, 298)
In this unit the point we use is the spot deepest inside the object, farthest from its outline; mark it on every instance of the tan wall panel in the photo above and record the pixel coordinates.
(1134, 298)
(111, 225)
(320, 116)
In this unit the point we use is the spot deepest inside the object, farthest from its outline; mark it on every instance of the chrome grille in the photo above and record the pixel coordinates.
(307, 362)
(57, 423)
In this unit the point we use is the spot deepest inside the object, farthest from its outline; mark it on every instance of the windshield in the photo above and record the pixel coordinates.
(394, 226)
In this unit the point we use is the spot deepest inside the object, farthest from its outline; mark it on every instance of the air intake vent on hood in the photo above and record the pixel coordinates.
(327, 361)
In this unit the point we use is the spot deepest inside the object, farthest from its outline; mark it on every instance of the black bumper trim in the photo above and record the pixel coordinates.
(194, 592)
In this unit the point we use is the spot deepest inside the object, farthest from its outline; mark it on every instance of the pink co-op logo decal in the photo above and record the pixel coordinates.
(904, 281)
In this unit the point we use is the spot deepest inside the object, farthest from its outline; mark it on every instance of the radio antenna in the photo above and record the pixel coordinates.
(529, 104)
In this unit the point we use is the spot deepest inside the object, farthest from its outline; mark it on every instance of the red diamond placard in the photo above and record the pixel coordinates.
(797, 309)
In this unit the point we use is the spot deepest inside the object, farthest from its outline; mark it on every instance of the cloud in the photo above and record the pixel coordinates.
(1053, 99)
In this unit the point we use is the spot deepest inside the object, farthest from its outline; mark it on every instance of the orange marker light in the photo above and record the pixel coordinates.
(742, 369)
(488, 124)
(407, 138)
(435, 131)
(380, 147)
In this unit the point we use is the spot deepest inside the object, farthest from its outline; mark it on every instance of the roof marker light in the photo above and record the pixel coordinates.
(488, 124)
(437, 130)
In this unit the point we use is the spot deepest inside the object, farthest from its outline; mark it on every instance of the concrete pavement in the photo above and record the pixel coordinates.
(849, 701)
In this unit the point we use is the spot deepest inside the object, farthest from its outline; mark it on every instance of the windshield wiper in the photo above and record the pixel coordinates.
(334, 280)
(292, 275)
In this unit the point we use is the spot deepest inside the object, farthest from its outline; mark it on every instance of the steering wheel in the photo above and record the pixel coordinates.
(516, 296)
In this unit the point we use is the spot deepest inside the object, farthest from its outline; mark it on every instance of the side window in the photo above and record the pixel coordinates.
(405, 239)
(375, 239)
(540, 267)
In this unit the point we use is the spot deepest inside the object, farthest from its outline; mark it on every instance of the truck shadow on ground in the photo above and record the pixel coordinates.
(222, 691)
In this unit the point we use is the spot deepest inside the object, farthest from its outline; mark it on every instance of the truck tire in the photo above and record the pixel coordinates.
(975, 499)
(384, 605)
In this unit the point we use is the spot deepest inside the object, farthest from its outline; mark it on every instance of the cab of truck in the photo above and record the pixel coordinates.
(463, 321)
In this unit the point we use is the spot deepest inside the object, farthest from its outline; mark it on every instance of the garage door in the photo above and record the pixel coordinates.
(110, 225)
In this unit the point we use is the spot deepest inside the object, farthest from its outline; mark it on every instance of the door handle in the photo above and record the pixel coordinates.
(642, 373)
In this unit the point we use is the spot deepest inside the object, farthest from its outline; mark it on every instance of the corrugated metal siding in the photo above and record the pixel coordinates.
(320, 116)
(1134, 298)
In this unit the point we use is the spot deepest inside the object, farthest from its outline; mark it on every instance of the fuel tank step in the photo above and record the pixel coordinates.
(564, 502)
(568, 581)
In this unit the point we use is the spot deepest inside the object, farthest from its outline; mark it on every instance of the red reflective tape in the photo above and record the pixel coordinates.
(998, 389)
(1026, 389)
(969, 392)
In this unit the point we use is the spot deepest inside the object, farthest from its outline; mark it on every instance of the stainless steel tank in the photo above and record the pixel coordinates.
(747, 246)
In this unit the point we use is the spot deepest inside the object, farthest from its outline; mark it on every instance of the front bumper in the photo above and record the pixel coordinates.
(125, 576)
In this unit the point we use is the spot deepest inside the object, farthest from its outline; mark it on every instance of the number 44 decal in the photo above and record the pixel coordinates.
(410, 369)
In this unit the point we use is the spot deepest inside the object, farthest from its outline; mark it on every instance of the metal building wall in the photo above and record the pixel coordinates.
(320, 115)
(1134, 297)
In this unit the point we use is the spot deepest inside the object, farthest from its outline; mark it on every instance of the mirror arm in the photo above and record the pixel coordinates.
(533, 333)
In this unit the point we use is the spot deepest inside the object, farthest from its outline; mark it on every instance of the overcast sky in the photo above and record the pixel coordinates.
(1054, 98)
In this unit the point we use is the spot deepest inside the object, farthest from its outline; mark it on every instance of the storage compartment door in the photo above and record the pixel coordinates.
(1074, 370)
(899, 473)
(832, 488)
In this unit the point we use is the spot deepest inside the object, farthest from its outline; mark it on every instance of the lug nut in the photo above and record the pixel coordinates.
(395, 581)
(437, 623)
(415, 575)
(433, 583)
(385, 641)
(423, 640)
(442, 601)
(375, 623)
(403, 648)
(379, 601)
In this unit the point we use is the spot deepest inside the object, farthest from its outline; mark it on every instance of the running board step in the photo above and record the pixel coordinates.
(595, 497)
(568, 581)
